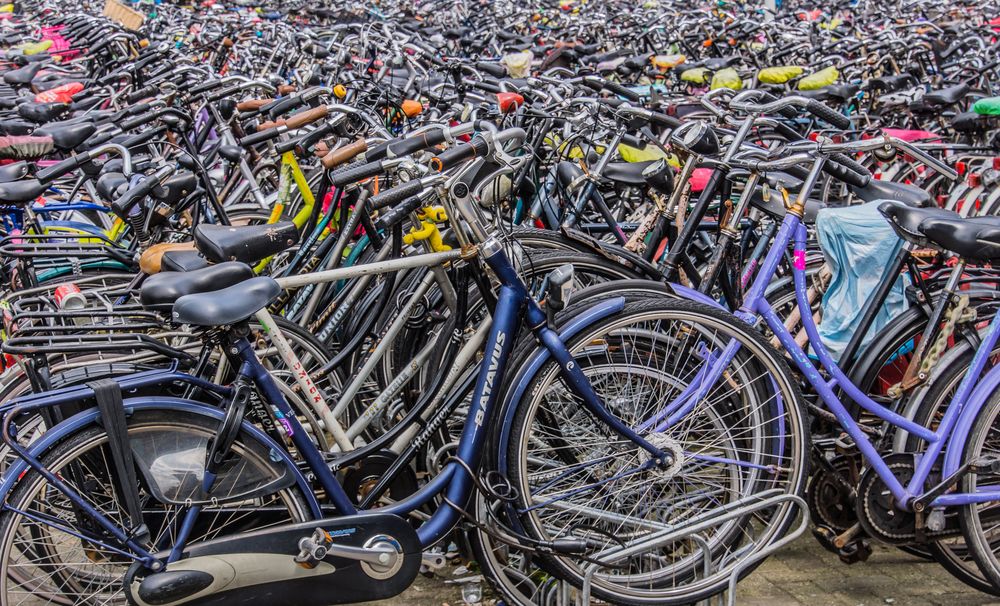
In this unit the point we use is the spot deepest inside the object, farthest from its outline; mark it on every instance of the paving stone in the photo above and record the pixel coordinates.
(804, 574)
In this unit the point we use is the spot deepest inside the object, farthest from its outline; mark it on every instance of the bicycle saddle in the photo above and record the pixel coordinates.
(716, 63)
(22, 75)
(892, 83)
(834, 92)
(626, 173)
(41, 112)
(13, 172)
(21, 191)
(976, 239)
(971, 122)
(906, 220)
(13, 126)
(160, 291)
(226, 306)
(890, 190)
(67, 136)
(249, 244)
(946, 96)
(182, 260)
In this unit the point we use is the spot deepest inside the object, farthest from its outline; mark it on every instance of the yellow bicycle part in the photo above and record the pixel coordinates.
(429, 217)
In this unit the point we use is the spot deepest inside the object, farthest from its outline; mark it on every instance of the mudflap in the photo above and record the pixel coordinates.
(261, 567)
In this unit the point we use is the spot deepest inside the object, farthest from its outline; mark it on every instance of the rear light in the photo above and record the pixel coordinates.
(975, 180)
(960, 168)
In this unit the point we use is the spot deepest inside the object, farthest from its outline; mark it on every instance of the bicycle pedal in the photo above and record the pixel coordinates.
(825, 536)
(855, 551)
(432, 561)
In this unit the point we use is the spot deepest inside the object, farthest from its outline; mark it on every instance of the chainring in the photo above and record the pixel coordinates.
(830, 494)
(878, 515)
(359, 480)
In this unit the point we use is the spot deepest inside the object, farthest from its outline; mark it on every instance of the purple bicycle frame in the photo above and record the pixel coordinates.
(954, 425)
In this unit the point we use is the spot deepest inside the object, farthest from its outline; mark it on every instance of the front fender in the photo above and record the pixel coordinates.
(179, 406)
(686, 292)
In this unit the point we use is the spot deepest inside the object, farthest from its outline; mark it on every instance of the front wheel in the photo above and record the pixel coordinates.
(577, 478)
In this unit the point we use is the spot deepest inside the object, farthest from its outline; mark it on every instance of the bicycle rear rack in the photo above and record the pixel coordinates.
(63, 247)
(693, 530)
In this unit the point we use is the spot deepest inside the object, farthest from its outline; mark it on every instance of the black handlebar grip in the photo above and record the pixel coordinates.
(307, 142)
(828, 115)
(260, 137)
(137, 109)
(391, 197)
(143, 137)
(397, 213)
(789, 112)
(633, 141)
(851, 164)
(204, 88)
(134, 195)
(664, 120)
(282, 105)
(488, 87)
(142, 93)
(377, 152)
(497, 70)
(355, 172)
(460, 153)
(845, 172)
(137, 121)
(621, 91)
(416, 143)
(787, 131)
(56, 170)
(594, 83)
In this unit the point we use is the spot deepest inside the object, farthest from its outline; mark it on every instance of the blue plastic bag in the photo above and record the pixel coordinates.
(858, 245)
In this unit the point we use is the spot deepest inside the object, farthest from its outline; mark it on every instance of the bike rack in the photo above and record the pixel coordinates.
(692, 530)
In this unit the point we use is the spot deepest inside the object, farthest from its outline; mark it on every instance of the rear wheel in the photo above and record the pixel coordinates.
(53, 553)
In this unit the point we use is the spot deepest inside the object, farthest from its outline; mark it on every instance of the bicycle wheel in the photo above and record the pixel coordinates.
(926, 407)
(53, 554)
(981, 523)
(575, 477)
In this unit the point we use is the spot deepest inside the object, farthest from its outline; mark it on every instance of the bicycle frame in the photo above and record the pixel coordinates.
(514, 306)
(953, 427)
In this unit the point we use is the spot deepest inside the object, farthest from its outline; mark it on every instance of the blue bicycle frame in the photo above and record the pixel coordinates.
(514, 305)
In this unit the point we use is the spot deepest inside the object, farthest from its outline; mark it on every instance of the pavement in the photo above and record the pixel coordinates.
(802, 574)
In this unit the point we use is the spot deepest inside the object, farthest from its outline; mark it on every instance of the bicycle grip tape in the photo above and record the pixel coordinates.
(828, 115)
(397, 213)
(396, 195)
(460, 153)
(355, 172)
